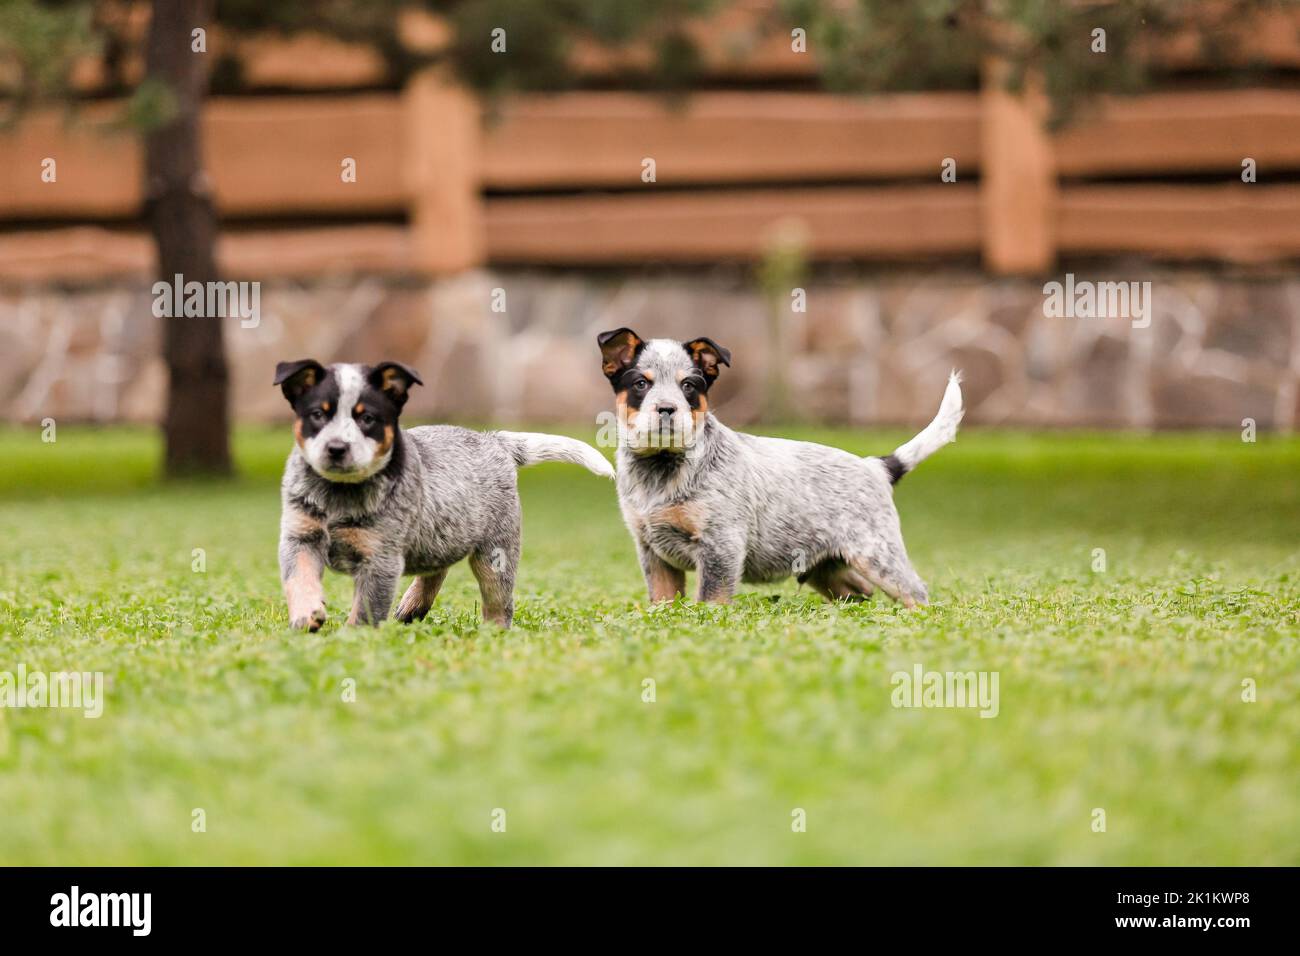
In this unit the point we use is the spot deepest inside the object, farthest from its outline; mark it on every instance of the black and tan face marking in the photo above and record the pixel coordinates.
(632, 386)
(695, 388)
(660, 386)
(347, 415)
(707, 356)
(313, 393)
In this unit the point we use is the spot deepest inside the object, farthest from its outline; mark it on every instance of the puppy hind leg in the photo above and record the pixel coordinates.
(895, 576)
(419, 597)
(836, 581)
(819, 579)
(846, 584)
(495, 570)
(856, 584)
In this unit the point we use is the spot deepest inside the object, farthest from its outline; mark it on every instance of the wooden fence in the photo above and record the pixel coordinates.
(558, 180)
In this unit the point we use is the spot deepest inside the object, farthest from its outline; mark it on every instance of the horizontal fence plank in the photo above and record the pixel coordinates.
(311, 137)
(600, 139)
(74, 254)
(692, 227)
(298, 60)
(1237, 223)
(282, 155)
(886, 222)
(269, 155)
(324, 250)
(97, 170)
(1211, 130)
(304, 61)
(1268, 38)
(89, 254)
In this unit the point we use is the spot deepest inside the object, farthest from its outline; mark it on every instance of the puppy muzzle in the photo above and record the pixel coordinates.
(662, 429)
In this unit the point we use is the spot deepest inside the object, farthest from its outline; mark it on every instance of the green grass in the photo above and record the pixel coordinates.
(1120, 690)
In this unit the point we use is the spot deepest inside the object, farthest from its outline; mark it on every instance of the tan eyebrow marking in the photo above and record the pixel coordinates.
(649, 374)
(360, 408)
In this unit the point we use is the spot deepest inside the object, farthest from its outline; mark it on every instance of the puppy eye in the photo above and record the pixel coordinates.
(687, 387)
(317, 415)
(366, 419)
(641, 386)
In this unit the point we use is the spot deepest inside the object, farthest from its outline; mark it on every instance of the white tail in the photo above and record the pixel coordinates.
(529, 448)
(933, 436)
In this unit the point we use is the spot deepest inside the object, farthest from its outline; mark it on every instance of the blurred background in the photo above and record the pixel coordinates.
(852, 195)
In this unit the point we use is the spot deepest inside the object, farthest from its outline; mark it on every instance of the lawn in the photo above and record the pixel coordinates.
(1120, 689)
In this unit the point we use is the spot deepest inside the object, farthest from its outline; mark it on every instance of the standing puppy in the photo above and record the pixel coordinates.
(364, 497)
(735, 507)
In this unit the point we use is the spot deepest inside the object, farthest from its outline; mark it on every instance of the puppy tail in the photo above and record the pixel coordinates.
(932, 437)
(529, 448)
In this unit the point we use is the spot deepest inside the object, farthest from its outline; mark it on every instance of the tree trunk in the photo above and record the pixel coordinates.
(196, 425)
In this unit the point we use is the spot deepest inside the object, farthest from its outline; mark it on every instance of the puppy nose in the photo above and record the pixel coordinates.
(336, 450)
(665, 410)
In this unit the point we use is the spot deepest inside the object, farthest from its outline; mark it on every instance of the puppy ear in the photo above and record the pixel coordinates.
(618, 350)
(708, 355)
(294, 378)
(394, 379)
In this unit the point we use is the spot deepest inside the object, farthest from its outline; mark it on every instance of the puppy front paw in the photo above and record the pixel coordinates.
(309, 620)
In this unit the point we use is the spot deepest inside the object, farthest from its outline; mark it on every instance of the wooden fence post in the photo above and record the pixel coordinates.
(1017, 177)
(440, 137)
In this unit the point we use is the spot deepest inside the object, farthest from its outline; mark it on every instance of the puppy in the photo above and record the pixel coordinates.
(735, 507)
(366, 498)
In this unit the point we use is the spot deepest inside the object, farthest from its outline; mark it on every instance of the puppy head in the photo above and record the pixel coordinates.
(346, 415)
(661, 387)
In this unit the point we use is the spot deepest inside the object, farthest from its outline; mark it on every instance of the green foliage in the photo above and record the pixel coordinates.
(39, 43)
(860, 45)
(883, 45)
(1119, 690)
(374, 23)
(152, 104)
(540, 37)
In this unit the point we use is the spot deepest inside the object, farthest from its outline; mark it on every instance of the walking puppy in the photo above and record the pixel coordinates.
(366, 498)
(697, 495)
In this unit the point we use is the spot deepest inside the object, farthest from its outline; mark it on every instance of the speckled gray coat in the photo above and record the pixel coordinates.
(448, 494)
(735, 507)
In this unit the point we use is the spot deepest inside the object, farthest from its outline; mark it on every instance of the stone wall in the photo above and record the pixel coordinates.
(869, 349)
